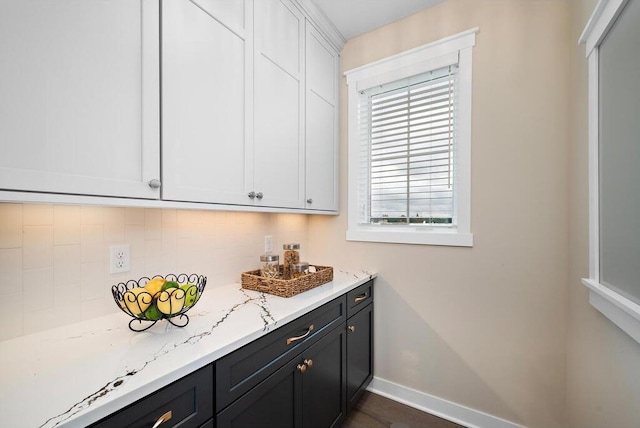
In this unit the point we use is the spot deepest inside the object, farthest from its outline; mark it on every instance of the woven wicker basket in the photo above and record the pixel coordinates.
(287, 287)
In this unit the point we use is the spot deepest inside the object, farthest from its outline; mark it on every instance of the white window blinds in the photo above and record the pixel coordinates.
(407, 136)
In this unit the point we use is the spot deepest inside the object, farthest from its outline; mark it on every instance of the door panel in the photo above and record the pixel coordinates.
(79, 103)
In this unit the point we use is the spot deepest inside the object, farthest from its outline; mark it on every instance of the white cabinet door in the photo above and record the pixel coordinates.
(79, 99)
(278, 134)
(204, 104)
(321, 123)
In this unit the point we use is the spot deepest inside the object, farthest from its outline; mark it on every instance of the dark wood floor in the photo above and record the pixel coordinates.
(374, 411)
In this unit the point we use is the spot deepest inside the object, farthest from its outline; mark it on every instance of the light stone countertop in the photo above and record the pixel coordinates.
(75, 375)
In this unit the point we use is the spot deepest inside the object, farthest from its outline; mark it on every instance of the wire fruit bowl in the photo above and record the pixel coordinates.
(149, 300)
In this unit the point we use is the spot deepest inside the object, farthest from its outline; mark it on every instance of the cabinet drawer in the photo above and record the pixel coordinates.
(190, 401)
(243, 369)
(359, 297)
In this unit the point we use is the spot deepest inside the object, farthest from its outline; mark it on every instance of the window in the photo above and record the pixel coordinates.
(410, 146)
(611, 38)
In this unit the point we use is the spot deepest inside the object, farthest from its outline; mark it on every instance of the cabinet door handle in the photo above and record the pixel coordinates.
(308, 362)
(296, 338)
(302, 368)
(259, 195)
(155, 183)
(251, 195)
(162, 419)
(360, 298)
(309, 201)
(352, 328)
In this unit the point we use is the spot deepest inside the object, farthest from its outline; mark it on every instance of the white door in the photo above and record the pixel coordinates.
(79, 97)
(321, 123)
(278, 152)
(204, 97)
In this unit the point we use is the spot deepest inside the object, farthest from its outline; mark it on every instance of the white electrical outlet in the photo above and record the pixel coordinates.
(120, 259)
(268, 244)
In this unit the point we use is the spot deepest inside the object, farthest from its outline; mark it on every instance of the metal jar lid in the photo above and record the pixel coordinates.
(300, 267)
(269, 258)
(290, 246)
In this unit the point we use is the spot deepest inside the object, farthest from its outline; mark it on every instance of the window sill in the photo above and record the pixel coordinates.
(621, 311)
(446, 238)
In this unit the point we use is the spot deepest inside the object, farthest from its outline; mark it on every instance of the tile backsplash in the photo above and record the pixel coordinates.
(54, 259)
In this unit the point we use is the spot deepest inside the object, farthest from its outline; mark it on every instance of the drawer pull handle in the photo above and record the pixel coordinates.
(296, 338)
(162, 419)
(360, 298)
(352, 328)
(308, 362)
(302, 368)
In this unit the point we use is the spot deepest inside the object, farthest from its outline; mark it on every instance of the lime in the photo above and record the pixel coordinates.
(192, 294)
(152, 313)
(170, 284)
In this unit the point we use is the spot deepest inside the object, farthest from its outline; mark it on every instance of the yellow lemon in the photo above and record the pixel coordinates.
(137, 300)
(171, 301)
(154, 286)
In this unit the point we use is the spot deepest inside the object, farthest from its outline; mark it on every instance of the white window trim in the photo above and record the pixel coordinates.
(456, 48)
(619, 309)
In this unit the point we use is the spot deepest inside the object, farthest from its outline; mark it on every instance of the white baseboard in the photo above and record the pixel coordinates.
(437, 406)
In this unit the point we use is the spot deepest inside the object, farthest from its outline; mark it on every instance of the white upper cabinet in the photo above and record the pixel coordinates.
(321, 122)
(278, 134)
(79, 99)
(169, 103)
(205, 94)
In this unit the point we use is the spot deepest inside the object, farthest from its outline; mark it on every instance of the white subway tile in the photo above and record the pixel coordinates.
(92, 215)
(91, 243)
(92, 281)
(66, 264)
(66, 225)
(10, 271)
(10, 225)
(152, 224)
(134, 216)
(114, 222)
(37, 215)
(37, 247)
(12, 316)
(38, 290)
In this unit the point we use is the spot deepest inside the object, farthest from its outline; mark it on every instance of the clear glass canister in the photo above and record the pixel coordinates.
(269, 265)
(299, 269)
(291, 255)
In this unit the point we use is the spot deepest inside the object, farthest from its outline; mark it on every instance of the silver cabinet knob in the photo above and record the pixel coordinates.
(309, 201)
(259, 195)
(155, 183)
(252, 195)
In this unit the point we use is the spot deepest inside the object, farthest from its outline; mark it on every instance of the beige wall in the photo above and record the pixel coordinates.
(603, 363)
(504, 327)
(54, 258)
(484, 327)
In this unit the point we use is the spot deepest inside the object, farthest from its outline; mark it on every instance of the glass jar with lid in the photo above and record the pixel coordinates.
(291, 255)
(299, 269)
(270, 265)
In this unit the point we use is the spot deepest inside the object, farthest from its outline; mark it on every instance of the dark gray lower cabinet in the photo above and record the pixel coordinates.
(188, 402)
(308, 391)
(359, 353)
(307, 373)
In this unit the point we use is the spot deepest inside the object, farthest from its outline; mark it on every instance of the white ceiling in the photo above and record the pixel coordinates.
(354, 17)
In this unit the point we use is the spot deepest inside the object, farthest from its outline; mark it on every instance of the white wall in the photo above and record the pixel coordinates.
(484, 327)
(54, 258)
